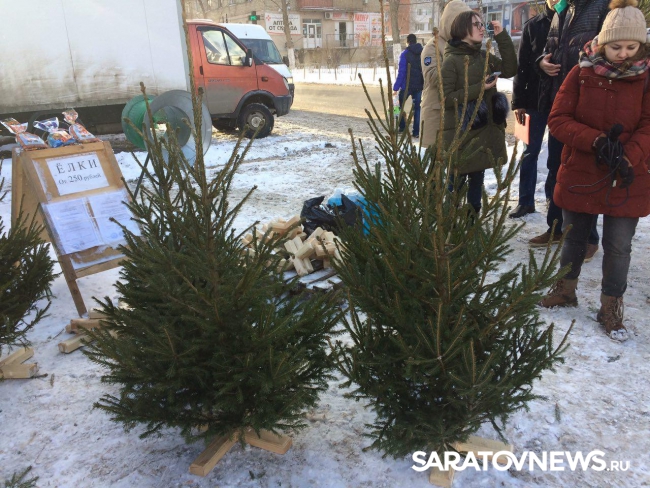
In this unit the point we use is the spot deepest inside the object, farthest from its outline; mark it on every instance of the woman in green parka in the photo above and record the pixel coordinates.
(486, 141)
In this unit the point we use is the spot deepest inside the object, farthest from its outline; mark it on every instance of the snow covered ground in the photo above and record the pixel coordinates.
(349, 75)
(597, 400)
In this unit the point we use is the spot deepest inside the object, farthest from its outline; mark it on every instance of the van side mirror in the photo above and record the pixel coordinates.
(249, 57)
(285, 60)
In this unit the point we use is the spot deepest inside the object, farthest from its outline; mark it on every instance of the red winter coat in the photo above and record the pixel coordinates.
(586, 106)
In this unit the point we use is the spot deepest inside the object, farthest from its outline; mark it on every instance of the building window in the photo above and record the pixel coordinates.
(419, 11)
(419, 27)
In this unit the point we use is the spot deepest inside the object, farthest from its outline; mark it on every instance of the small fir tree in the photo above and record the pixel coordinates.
(445, 330)
(26, 272)
(210, 335)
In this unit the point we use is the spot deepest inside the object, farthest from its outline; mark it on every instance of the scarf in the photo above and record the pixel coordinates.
(590, 58)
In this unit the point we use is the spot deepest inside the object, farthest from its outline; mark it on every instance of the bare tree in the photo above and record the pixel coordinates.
(284, 6)
(394, 28)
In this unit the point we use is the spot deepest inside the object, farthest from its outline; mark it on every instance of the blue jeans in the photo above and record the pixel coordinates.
(416, 98)
(617, 247)
(528, 169)
(474, 188)
(554, 212)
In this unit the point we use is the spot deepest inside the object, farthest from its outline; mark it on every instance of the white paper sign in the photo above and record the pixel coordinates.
(73, 225)
(110, 205)
(77, 173)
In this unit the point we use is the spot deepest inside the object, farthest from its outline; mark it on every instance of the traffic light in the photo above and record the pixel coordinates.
(253, 17)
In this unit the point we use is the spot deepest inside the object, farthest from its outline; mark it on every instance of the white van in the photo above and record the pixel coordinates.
(256, 38)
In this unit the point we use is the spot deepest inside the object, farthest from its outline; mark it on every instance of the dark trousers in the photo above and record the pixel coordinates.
(416, 98)
(528, 169)
(617, 247)
(474, 183)
(554, 212)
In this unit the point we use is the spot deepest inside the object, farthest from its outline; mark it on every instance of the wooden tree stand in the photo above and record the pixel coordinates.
(268, 441)
(12, 366)
(79, 327)
(474, 444)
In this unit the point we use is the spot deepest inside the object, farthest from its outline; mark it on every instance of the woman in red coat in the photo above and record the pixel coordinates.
(602, 115)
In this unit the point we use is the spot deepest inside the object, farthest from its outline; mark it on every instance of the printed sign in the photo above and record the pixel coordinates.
(367, 29)
(342, 16)
(84, 223)
(76, 173)
(275, 24)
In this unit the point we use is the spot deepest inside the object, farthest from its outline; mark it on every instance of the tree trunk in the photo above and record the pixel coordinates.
(394, 28)
(287, 34)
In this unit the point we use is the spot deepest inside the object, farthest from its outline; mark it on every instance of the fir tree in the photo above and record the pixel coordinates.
(210, 335)
(445, 330)
(26, 272)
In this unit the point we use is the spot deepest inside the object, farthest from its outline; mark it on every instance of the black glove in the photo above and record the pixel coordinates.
(626, 172)
(608, 152)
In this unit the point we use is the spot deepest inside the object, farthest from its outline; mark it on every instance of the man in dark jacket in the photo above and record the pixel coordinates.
(576, 22)
(411, 68)
(525, 100)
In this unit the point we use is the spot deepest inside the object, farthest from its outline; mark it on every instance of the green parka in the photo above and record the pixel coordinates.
(488, 139)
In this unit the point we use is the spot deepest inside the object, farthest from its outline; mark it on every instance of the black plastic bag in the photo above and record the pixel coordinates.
(329, 217)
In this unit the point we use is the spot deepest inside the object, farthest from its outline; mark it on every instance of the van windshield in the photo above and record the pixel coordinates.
(264, 50)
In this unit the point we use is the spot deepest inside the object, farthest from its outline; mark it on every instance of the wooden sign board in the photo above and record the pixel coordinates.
(73, 191)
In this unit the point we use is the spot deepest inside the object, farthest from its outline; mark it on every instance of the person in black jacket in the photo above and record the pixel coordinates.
(410, 67)
(525, 100)
(576, 22)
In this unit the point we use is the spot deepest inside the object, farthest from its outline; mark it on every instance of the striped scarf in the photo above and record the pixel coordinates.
(590, 58)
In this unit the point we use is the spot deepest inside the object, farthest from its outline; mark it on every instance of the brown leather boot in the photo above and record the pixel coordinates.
(611, 316)
(561, 294)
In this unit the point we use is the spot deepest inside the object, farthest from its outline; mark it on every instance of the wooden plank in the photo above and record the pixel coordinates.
(98, 268)
(268, 441)
(80, 324)
(94, 313)
(305, 251)
(475, 444)
(441, 478)
(71, 281)
(211, 455)
(73, 344)
(297, 263)
(18, 356)
(18, 371)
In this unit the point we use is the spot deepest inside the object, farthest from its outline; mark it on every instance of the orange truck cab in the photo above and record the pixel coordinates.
(239, 88)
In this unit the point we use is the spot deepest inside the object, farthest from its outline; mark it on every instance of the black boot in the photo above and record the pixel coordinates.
(522, 210)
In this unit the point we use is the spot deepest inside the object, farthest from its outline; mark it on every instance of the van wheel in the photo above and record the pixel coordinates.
(224, 125)
(256, 115)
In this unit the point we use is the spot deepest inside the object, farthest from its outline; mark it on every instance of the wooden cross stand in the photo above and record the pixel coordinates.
(73, 191)
(209, 458)
(475, 445)
(12, 366)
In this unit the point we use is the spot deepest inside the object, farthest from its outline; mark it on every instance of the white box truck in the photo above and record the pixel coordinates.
(93, 54)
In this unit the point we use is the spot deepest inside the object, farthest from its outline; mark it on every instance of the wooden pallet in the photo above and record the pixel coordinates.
(14, 366)
(208, 459)
(474, 444)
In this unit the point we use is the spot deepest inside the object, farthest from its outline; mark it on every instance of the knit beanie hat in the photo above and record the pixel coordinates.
(625, 22)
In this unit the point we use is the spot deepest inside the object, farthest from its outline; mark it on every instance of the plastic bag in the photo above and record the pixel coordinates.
(78, 131)
(329, 217)
(59, 137)
(26, 140)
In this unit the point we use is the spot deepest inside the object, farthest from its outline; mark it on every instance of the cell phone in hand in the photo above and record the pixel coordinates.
(492, 77)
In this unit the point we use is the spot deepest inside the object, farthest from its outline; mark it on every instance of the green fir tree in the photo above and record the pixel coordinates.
(26, 273)
(210, 335)
(445, 332)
